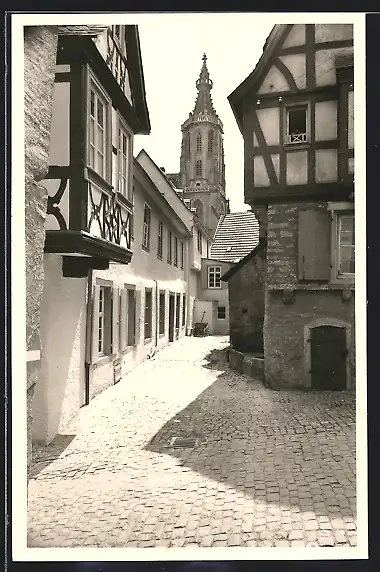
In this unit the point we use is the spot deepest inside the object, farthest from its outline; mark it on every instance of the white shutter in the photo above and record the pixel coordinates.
(95, 324)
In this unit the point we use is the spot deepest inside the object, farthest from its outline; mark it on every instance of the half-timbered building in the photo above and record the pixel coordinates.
(295, 112)
(99, 104)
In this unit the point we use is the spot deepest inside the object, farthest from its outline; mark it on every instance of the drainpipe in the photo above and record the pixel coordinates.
(88, 340)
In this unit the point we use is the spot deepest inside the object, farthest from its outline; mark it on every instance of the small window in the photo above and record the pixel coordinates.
(182, 255)
(221, 312)
(199, 241)
(345, 260)
(188, 145)
(146, 227)
(198, 168)
(148, 314)
(162, 313)
(296, 124)
(160, 239)
(199, 142)
(175, 251)
(214, 275)
(170, 247)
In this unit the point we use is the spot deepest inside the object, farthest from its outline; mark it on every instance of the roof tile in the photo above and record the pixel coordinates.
(235, 236)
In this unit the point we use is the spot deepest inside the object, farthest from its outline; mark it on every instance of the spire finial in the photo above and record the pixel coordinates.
(204, 58)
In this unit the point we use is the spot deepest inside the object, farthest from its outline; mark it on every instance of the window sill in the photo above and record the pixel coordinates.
(147, 340)
(128, 349)
(159, 256)
(102, 360)
(214, 287)
(146, 248)
(162, 335)
(93, 176)
(170, 262)
(296, 146)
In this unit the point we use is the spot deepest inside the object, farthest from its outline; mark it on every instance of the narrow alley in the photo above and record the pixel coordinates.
(185, 452)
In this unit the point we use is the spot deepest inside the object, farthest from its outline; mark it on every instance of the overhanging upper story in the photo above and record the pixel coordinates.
(295, 112)
(99, 104)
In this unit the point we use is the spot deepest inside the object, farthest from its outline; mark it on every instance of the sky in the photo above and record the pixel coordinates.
(172, 47)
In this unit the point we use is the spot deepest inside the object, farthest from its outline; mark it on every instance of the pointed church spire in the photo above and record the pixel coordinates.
(204, 84)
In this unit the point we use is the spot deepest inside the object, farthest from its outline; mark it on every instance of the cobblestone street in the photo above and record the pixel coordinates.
(255, 467)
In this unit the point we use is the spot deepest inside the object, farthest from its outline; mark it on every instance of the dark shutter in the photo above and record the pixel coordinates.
(95, 324)
(314, 245)
(115, 320)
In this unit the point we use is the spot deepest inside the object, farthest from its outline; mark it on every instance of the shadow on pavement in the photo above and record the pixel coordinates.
(284, 447)
(44, 455)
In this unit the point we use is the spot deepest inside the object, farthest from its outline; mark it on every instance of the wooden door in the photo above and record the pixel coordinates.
(171, 317)
(328, 358)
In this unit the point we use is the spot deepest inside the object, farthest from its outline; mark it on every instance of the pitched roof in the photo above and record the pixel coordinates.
(235, 236)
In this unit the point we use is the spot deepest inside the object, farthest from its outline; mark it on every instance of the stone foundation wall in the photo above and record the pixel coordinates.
(246, 300)
(284, 324)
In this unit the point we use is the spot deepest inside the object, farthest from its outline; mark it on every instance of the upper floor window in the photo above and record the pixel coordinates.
(160, 239)
(175, 251)
(297, 124)
(146, 227)
(199, 142)
(214, 274)
(124, 143)
(210, 140)
(345, 235)
(170, 247)
(188, 145)
(182, 254)
(198, 168)
(199, 241)
(97, 136)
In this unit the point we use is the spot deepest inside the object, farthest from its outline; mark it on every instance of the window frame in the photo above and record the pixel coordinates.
(175, 261)
(146, 227)
(131, 289)
(212, 270)
(124, 129)
(291, 107)
(183, 310)
(199, 142)
(198, 168)
(199, 242)
(160, 239)
(170, 247)
(94, 85)
(224, 311)
(337, 211)
(182, 255)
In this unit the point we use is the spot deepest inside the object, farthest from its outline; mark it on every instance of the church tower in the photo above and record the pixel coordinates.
(201, 176)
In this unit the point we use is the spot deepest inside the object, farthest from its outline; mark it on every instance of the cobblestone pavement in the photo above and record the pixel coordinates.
(268, 468)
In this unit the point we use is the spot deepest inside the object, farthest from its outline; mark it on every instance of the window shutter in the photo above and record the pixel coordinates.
(123, 319)
(138, 318)
(204, 277)
(314, 245)
(95, 323)
(115, 320)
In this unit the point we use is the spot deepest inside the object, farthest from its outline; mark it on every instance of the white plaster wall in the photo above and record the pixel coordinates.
(333, 32)
(269, 120)
(296, 168)
(60, 391)
(260, 174)
(296, 36)
(296, 64)
(207, 306)
(325, 120)
(326, 165)
(220, 298)
(273, 82)
(59, 151)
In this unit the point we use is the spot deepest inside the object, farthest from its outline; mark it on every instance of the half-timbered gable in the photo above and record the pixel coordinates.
(99, 104)
(295, 113)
